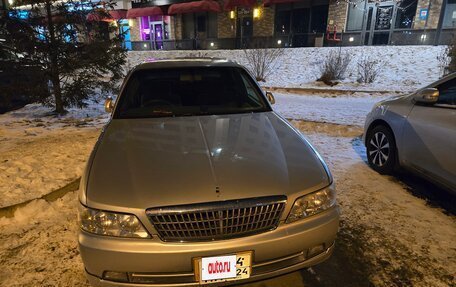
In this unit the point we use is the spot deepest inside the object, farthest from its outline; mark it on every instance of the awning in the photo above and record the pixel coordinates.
(194, 7)
(112, 16)
(270, 2)
(231, 4)
(118, 14)
(96, 17)
(146, 11)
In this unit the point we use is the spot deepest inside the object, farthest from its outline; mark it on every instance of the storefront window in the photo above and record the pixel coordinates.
(298, 19)
(449, 20)
(188, 26)
(282, 23)
(406, 11)
(201, 23)
(319, 18)
(212, 25)
(355, 16)
(300, 22)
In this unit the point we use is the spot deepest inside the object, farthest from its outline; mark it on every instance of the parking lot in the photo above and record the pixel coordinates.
(394, 231)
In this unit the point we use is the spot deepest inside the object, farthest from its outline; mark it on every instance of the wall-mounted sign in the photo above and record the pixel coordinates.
(423, 14)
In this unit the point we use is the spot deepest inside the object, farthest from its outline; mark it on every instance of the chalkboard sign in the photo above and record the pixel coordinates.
(384, 17)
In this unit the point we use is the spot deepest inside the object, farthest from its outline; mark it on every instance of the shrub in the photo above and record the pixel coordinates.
(261, 62)
(368, 70)
(334, 67)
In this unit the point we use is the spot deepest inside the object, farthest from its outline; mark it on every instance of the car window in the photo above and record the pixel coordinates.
(251, 89)
(447, 93)
(189, 91)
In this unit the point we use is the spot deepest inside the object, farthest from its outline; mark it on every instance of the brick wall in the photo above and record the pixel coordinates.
(134, 29)
(337, 14)
(264, 26)
(176, 21)
(433, 14)
(226, 27)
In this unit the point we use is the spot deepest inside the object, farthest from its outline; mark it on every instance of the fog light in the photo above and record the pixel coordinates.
(115, 276)
(315, 250)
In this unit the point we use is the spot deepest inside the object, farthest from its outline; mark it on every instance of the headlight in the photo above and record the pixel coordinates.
(312, 203)
(110, 223)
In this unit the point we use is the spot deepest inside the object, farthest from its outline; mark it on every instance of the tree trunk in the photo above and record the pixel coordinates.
(57, 95)
(52, 50)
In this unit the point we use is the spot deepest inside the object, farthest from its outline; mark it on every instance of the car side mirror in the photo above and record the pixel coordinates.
(270, 97)
(427, 96)
(109, 105)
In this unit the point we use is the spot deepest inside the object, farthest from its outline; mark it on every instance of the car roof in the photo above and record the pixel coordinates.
(186, 63)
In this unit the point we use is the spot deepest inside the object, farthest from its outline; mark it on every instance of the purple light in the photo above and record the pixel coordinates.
(144, 28)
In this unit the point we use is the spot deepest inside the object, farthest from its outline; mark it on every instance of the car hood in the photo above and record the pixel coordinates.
(143, 163)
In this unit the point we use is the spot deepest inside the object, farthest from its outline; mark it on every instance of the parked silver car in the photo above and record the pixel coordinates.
(417, 132)
(195, 180)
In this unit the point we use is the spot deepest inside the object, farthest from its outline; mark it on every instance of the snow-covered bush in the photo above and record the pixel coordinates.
(262, 62)
(368, 70)
(334, 67)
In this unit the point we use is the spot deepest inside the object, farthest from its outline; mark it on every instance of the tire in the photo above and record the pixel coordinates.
(381, 150)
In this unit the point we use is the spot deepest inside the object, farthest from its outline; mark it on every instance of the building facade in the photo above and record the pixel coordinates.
(291, 23)
(235, 24)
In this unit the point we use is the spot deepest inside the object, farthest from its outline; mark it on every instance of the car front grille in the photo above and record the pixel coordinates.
(217, 220)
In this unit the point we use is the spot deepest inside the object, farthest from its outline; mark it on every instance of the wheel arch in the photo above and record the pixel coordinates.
(376, 123)
(380, 122)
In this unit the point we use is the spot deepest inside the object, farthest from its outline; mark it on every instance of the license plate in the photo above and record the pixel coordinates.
(223, 268)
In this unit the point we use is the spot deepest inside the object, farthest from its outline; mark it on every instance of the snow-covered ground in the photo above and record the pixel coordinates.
(327, 107)
(40, 153)
(388, 237)
(403, 68)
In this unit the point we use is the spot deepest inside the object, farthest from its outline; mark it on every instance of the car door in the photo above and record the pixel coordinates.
(429, 136)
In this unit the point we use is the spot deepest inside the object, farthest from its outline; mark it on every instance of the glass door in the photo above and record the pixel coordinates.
(379, 23)
(157, 34)
(244, 31)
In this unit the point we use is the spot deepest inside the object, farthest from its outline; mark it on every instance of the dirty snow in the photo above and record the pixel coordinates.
(388, 236)
(403, 68)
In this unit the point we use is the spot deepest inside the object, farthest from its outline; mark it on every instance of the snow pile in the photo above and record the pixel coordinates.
(38, 247)
(403, 68)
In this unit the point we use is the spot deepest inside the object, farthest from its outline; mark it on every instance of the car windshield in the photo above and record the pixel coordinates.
(189, 91)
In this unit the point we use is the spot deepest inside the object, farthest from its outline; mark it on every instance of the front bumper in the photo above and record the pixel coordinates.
(155, 263)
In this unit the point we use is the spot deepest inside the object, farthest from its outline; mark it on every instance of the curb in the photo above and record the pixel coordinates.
(333, 91)
(8, 211)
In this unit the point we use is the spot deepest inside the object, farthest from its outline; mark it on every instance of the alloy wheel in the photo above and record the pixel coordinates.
(379, 149)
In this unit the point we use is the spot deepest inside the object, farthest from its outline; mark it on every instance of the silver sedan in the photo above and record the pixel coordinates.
(417, 132)
(195, 180)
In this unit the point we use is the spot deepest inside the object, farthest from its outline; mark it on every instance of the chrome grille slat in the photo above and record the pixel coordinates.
(217, 220)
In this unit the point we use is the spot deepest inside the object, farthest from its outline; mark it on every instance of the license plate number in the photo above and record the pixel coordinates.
(223, 268)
